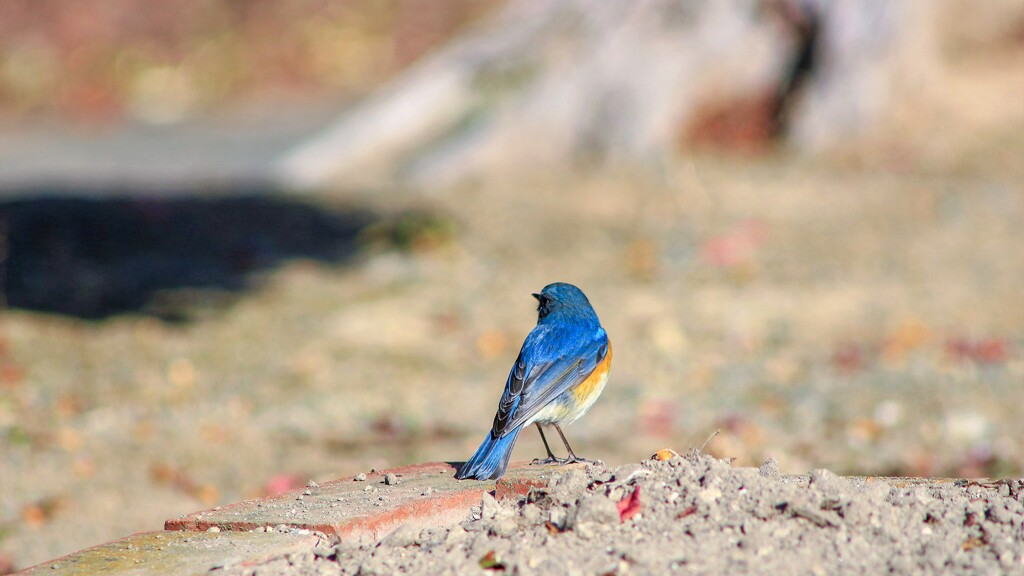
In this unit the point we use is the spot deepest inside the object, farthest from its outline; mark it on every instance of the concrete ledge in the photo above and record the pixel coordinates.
(178, 553)
(423, 496)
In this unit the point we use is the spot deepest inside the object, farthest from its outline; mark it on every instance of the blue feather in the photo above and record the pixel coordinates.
(491, 458)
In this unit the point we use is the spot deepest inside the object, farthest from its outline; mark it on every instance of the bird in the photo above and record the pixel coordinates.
(561, 369)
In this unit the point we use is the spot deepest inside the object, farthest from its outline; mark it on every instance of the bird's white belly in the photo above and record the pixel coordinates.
(564, 409)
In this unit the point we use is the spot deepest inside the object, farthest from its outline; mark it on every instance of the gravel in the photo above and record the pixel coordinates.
(696, 514)
(876, 328)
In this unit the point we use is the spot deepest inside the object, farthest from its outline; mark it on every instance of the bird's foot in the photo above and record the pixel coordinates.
(574, 459)
(549, 460)
(563, 461)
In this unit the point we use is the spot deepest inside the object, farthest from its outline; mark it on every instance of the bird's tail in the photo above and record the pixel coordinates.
(491, 458)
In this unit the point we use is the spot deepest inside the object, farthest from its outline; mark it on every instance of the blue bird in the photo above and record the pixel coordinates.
(561, 370)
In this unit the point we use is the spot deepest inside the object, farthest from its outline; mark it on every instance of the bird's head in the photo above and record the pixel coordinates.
(561, 299)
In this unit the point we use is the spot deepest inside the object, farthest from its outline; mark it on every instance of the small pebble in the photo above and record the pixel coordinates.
(391, 479)
(325, 552)
(770, 468)
(504, 527)
(213, 529)
(360, 477)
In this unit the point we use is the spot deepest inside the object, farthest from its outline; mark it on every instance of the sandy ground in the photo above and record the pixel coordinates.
(699, 515)
(859, 314)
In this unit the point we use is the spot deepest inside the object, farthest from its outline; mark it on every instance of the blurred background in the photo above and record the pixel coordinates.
(248, 244)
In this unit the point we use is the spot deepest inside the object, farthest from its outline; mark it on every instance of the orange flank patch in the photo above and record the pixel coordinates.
(595, 382)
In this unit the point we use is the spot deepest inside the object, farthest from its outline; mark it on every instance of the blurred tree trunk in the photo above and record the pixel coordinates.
(557, 82)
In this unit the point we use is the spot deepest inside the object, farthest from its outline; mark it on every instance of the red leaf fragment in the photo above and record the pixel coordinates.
(986, 351)
(490, 562)
(737, 247)
(282, 483)
(629, 506)
(687, 512)
(849, 358)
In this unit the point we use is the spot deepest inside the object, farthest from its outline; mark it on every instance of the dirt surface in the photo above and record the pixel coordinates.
(699, 515)
(859, 313)
(869, 323)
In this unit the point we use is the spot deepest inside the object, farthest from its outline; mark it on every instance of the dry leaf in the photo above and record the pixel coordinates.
(629, 506)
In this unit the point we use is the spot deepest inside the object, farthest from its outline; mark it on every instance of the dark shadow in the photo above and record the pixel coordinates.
(91, 256)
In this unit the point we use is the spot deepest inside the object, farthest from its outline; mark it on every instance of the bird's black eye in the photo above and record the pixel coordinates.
(542, 304)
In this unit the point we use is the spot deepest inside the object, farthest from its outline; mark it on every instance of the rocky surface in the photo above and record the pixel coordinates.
(831, 318)
(700, 515)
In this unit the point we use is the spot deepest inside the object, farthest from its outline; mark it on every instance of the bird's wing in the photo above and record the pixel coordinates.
(550, 362)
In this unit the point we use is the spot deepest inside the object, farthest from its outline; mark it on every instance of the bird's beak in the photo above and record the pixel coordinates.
(537, 296)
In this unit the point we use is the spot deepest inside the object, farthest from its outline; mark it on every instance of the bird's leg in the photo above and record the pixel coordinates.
(572, 455)
(551, 459)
